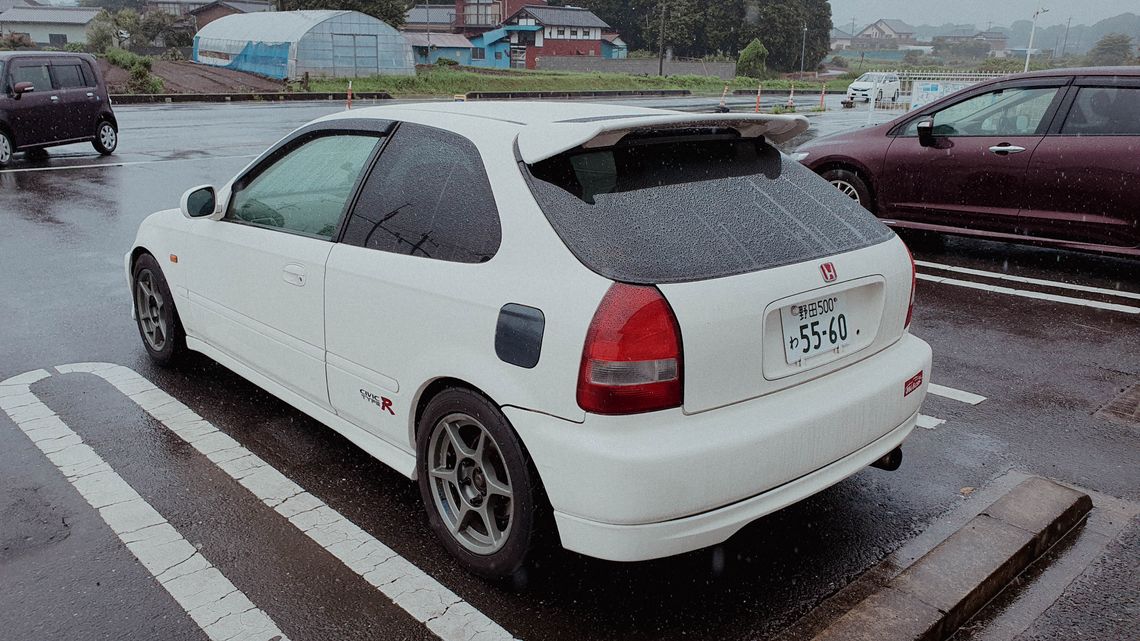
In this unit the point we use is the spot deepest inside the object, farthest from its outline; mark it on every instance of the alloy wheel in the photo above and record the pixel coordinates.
(5, 149)
(107, 135)
(847, 189)
(149, 307)
(470, 484)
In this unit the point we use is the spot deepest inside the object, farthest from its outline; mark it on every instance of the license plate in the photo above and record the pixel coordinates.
(814, 327)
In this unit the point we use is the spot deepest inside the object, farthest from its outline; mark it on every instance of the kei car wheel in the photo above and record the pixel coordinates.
(106, 138)
(157, 320)
(6, 148)
(478, 485)
(850, 184)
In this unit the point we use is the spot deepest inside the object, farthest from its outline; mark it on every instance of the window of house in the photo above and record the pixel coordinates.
(498, 55)
(57, 39)
(428, 196)
(561, 33)
(478, 53)
(573, 33)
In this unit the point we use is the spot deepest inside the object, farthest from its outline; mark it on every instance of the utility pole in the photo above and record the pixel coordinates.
(1066, 45)
(803, 51)
(661, 43)
(1032, 31)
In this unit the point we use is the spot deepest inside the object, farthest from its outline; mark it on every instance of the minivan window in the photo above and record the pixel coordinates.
(660, 210)
(1017, 111)
(1104, 111)
(67, 76)
(37, 74)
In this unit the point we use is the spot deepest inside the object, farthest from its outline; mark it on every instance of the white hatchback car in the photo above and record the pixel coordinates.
(637, 329)
(886, 86)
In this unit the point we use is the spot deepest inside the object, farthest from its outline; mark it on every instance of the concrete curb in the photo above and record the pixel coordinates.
(948, 585)
(284, 96)
(539, 95)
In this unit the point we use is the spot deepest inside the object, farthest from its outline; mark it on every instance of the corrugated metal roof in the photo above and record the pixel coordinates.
(451, 40)
(49, 15)
(269, 27)
(439, 14)
(565, 17)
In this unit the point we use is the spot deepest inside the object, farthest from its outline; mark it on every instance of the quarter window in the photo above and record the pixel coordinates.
(1104, 111)
(33, 73)
(1016, 111)
(428, 196)
(306, 190)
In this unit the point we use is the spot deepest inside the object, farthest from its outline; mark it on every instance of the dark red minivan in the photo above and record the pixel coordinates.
(1049, 157)
(53, 99)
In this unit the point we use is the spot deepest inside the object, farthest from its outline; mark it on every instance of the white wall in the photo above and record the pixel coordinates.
(39, 32)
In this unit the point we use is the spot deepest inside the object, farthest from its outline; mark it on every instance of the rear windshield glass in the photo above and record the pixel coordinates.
(682, 209)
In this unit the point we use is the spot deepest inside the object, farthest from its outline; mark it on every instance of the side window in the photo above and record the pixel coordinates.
(67, 76)
(428, 196)
(37, 74)
(1104, 111)
(89, 75)
(1017, 111)
(305, 191)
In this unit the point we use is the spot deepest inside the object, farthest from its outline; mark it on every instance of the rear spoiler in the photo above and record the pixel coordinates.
(541, 141)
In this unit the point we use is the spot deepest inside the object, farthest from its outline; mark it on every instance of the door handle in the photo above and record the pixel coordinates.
(1006, 148)
(294, 275)
(55, 98)
(90, 94)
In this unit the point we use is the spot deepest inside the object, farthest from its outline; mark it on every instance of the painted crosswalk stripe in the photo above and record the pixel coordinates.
(441, 610)
(1029, 281)
(929, 422)
(998, 289)
(223, 612)
(955, 394)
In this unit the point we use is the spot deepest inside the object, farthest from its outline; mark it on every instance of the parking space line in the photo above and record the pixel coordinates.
(441, 610)
(997, 289)
(1029, 281)
(122, 164)
(956, 394)
(929, 422)
(223, 612)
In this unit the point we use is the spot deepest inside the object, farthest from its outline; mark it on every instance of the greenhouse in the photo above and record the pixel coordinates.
(289, 44)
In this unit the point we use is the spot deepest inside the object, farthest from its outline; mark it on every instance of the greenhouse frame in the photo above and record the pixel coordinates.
(288, 44)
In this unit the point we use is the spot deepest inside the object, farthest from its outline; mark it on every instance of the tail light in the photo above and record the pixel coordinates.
(631, 362)
(913, 286)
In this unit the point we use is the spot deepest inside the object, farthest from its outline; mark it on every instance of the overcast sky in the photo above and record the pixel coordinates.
(979, 12)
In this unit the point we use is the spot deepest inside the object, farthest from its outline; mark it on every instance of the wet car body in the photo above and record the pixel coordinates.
(1049, 158)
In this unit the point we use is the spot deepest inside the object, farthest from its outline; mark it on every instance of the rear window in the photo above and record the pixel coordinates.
(666, 210)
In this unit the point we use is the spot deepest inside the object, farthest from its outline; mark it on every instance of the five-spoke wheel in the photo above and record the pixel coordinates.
(157, 319)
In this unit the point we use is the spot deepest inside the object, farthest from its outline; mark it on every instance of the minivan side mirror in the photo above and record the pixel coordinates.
(21, 88)
(199, 202)
(926, 131)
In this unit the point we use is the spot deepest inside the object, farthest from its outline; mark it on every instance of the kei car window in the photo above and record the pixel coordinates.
(37, 74)
(427, 196)
(306, 190)
(1104, 111)
(1017, 111)
(67, 76)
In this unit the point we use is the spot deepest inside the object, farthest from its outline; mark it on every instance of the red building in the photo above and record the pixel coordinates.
(538, 31)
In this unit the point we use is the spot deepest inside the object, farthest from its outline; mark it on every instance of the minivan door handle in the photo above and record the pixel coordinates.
(55, 98)
(294, 275)
(1005, 149)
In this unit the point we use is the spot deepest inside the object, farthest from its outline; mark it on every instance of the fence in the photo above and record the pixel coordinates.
(638, 66)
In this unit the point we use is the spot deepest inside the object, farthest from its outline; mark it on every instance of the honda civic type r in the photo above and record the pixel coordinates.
(638, 330)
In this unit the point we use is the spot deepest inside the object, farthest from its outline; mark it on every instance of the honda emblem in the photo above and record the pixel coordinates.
(828, 271)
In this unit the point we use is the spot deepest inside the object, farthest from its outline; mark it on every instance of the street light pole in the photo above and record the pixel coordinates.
(803, 50)
(661, 43)
(1032, 31)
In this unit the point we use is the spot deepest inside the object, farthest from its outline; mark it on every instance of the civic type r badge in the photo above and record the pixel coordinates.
(828, 271)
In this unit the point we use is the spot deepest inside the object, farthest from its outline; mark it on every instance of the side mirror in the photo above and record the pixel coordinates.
(199, 202)
(21, 88)
(926, 131)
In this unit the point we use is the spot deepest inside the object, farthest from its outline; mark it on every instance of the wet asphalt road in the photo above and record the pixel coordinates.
(1044, 367)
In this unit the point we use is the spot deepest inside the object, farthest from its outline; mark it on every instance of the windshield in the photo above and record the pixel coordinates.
(871, 77)
(685, 209)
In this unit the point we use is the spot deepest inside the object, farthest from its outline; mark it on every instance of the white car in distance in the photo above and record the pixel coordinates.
(637, 329)
(883, 86)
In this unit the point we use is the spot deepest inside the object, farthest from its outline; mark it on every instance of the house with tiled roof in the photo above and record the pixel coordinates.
(208, 13)
(887, 29)
(48, 26)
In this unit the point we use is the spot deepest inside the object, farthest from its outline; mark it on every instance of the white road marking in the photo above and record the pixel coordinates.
(929, 422)
(122, 164)
(1030, 281)
(223, 612)
(956, 394)
(441, 610)
(1027, 294)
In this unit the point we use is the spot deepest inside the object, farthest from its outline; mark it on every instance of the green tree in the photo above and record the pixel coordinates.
(753, 61)
(1113, 49)
(100, 34)
(390, 11)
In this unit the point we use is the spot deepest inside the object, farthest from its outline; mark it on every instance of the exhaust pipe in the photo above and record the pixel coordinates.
(891, 461)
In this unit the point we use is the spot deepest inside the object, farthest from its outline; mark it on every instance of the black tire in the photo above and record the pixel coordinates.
(527, 515)
(895, 98)
(106, 138)
(859, 190)
(154, 310)
(7, 148)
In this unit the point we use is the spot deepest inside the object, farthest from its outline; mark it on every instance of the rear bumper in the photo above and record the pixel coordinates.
(639, 487)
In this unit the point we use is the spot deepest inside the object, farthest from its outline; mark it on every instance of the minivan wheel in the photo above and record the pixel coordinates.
(478, 485)
(5, 148)
(155, 315)
(850, 184)
(106, 138)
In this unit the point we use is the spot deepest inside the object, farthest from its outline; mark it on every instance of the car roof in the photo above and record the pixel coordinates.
(8, 55)
(1078, 71)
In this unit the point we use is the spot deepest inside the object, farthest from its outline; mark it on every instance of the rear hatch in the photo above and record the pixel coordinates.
(774, 276)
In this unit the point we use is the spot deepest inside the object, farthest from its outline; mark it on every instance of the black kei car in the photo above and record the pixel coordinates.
(50, 99)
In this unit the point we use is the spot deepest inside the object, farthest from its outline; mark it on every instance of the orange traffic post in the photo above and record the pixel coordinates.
(822, 97)
(759, 90)
(349, 106)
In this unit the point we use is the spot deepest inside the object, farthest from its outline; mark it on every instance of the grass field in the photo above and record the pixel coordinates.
(448, 82)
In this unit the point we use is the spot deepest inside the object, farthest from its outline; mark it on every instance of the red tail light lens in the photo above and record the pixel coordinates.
(631, 362)
(913, 286)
